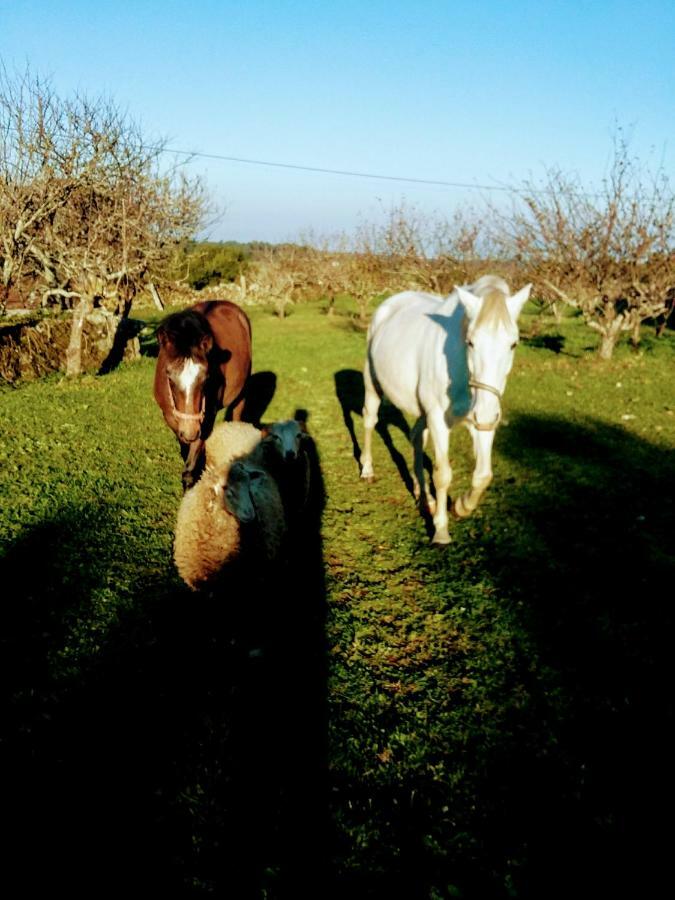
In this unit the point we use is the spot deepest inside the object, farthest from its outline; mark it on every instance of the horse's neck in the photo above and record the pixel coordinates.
(449, 304)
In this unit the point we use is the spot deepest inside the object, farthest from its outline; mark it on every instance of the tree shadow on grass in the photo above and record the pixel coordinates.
(127, 329)
(590, 560)
(553, 342)
(185, 754)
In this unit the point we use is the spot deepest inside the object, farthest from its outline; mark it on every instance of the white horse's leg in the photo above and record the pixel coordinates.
(418, 438)
(370, 410)
(440, 437)
(482, 473)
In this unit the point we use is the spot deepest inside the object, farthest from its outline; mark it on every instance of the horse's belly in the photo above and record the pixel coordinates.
(404, 360)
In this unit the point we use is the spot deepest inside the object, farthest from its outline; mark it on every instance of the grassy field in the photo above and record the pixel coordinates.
(486, 720)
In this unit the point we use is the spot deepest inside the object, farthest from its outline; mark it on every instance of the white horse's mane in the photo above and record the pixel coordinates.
(487, 284)
(493, 291)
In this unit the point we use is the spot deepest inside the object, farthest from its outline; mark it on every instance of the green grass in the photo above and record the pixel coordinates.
(481, 721)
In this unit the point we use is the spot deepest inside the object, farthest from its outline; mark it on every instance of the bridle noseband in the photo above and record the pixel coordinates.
(189, 417)
(471, 418)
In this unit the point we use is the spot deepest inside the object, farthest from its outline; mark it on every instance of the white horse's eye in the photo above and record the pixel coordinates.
(514, 345)
(469, 344)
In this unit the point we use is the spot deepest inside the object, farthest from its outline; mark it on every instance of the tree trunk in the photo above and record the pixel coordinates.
(363, 310)
(154, 293)
(635, 333)
(609, 336)
(74, 351)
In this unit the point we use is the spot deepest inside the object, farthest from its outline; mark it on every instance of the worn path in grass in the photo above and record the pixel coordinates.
(486, 720)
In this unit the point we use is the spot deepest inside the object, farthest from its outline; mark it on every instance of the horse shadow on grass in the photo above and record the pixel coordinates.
(182, 752)
(559, 764)
(350, 391)
(260, 390)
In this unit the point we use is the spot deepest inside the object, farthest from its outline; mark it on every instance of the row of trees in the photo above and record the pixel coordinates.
(89, 214)
(407, 250)
(609, 255)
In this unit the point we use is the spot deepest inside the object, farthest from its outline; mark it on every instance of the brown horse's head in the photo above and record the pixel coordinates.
(185, 340)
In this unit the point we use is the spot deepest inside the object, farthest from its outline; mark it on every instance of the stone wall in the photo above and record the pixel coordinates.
(32, 348)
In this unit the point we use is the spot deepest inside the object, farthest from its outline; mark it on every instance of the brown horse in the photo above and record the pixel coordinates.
(203, 366)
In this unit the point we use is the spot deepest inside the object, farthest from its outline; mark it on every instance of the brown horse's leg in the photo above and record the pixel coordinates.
(193, 457)
(238, 410)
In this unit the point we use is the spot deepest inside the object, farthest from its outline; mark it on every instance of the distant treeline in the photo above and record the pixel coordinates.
(201, 264)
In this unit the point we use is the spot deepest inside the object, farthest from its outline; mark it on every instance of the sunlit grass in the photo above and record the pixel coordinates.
(474, 693)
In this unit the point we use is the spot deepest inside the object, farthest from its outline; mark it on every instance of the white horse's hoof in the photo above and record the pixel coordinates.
(441, 538)
(369, 478)
(458, 510)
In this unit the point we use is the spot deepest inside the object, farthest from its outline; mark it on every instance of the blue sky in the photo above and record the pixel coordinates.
(475, 92)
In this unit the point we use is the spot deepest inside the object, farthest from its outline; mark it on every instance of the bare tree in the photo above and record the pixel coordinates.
(410, 249)
(88, 212)
(610, 255)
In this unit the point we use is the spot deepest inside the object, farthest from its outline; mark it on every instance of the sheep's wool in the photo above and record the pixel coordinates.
(208, 536)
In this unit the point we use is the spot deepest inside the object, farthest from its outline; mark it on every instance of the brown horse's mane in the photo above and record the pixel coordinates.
(184, 331)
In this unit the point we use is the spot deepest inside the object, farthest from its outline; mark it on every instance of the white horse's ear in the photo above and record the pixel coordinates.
(518, 301)
(470, 303)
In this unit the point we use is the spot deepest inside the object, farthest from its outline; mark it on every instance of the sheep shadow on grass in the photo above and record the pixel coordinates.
(183, 754)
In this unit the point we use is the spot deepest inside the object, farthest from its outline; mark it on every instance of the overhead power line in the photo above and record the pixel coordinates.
(378, 176)
(349, 173)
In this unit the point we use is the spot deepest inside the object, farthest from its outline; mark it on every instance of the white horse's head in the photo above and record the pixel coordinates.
(491, 337)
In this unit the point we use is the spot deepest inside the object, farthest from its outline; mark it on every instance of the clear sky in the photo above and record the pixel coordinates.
(477, 92)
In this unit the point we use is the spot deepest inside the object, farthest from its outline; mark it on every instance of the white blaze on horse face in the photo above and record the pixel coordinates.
(187, 379)
(492, 335)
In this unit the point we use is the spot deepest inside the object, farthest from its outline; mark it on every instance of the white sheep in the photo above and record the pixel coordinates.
(233, 516)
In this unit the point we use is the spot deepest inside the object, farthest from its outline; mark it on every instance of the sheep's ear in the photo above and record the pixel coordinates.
(238, 499)
(302, 425)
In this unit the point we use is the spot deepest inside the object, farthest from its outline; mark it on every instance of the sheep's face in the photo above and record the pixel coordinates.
(286, 437)
(242, 485)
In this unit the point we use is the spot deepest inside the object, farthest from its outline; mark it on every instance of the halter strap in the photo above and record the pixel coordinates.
(486, 387)
(190, 417)
(480, 385)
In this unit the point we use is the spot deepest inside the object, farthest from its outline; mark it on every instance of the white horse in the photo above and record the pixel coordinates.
(444, 360)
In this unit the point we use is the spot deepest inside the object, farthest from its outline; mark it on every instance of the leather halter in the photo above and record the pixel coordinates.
(190, 417)
(471, 418)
